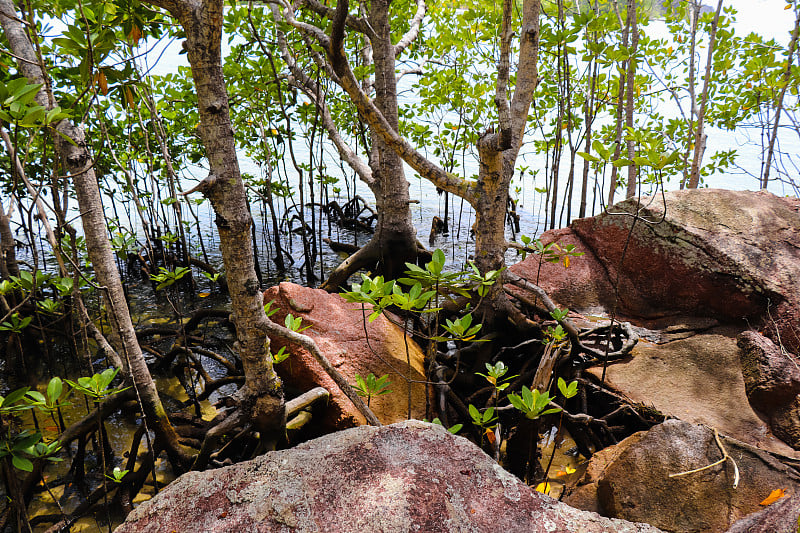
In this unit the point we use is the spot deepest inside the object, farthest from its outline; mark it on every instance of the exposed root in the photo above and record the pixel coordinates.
(341, 247)
(725, 457)
(389, 254)
(232, 421)
(365, 257)
(352, 214)
(592, 355)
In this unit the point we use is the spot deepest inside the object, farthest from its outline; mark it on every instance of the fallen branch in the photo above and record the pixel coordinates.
(271, 328)
(305, 400)
(725, 457)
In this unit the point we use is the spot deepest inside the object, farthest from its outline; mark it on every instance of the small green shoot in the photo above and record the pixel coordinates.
(17, 324)
(48, 306)
(533, 404)
(483, 282)
(97, 386)
(496, 375)
(372, 386)
(454, 429)
(281, 356)
(211, 277)
(268, 308)
(485, 420)
(166, 278)
(555, 334)
(117, 474)
(461, 329)
(295, 323)
(567, 391)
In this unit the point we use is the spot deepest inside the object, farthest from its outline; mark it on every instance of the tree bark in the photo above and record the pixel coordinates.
(699, 133)
(394, 242)
(395, 234)
(497, 159)
(8, 251)
(785, 80)
(261, 397)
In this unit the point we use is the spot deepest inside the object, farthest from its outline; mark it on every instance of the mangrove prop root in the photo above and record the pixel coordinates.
(234, 420)
(593, 356)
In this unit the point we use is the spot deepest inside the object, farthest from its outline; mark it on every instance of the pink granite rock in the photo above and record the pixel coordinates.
(410, 476)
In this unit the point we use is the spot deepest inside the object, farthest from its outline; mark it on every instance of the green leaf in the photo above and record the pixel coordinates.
(107, 376)
(37, 396)
(437, 263)
(26, 441)
(54, 389)
(268, 308)
(567, 391)
(280, 356)
(550, 411)
(54, 115)
(66, 137)
(22, 463)
(14, 397)
(26, 93)
(528, 396)
(516, 401)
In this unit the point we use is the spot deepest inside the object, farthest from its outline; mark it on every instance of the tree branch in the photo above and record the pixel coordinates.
(413, 32)
(311, 88)
(372, 115)
(527, 75)
(308, 29)
(176, 7)
(354, 23)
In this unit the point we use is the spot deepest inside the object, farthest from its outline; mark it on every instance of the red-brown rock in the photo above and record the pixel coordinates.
(410, 476)
(338, 328)
(583, 286)
(720, 253)
(771, 375)
(697, 379)
(636, 484)
(729, 258)
(726, 254)
(772, 382)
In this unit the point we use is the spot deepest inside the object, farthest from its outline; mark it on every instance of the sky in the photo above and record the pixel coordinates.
(766, 17)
